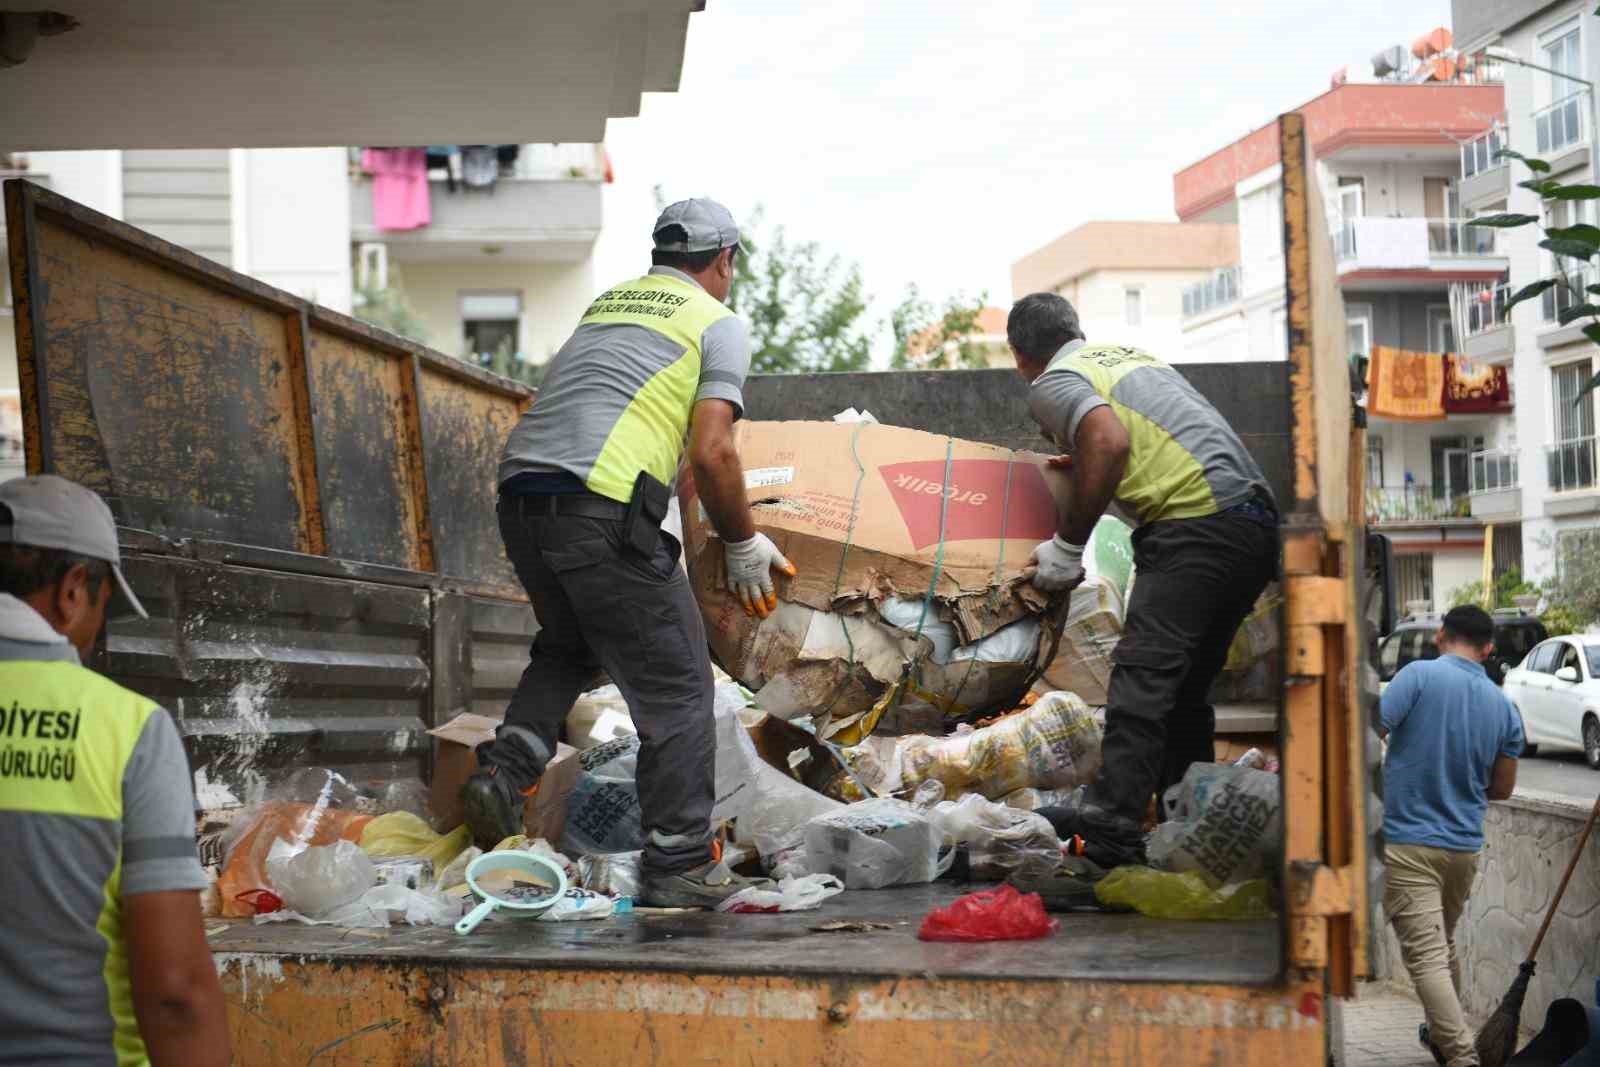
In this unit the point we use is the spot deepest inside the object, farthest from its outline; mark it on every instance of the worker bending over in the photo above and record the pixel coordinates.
(1138, 439)
(583, 482)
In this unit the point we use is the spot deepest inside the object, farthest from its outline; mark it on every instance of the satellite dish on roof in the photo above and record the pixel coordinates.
(1388, 61)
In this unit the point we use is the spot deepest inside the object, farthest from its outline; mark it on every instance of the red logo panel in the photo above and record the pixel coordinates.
(976, 491)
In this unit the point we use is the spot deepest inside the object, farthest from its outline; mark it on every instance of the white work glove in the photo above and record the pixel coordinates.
(1058, 565)
(750, 566)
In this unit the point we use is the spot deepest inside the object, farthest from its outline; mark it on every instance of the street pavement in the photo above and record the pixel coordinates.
(1565, 775)
(1380, 1028)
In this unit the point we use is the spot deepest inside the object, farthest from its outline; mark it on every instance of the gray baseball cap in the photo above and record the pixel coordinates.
(708, 224)
(48, 511)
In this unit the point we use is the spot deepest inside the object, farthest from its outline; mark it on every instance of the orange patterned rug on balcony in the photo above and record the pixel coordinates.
(1405, 385)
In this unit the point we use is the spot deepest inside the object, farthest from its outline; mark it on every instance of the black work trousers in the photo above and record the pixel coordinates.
(601, 605)
(1195, 581)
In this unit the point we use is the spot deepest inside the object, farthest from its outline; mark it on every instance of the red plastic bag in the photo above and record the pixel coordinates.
(990, 915)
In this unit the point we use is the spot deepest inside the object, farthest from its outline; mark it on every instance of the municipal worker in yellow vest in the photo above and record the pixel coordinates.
(103, 956)
(656, 362)
(1138, 440)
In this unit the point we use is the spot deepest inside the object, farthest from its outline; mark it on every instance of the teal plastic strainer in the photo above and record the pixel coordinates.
(518, 881)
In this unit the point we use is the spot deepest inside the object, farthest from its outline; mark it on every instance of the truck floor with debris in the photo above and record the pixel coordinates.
(306, 505)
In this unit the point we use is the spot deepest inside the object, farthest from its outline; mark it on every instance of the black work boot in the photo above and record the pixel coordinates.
(492, 806)
(1109, 839)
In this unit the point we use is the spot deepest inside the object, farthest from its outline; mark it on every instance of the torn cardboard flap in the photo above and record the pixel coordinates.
(869, 513)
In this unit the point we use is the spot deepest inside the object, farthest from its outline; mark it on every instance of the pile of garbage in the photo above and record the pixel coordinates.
(852, 748)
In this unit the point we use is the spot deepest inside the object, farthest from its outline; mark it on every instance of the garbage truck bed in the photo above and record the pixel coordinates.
(680, 987)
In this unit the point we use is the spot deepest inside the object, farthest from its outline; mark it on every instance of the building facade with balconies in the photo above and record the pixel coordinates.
(1389, 160)
(1545, 476)
(1136, 283)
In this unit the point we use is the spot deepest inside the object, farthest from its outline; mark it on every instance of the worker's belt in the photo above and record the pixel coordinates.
(586, 505)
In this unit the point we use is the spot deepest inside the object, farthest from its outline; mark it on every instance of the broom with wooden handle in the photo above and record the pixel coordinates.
(1497, 1041)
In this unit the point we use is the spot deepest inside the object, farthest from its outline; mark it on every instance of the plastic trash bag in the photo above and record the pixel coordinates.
(1001, 914)
(1055, 744)
(456, 872)
(403, 833)
(598, 716)
(775, 821)
(576, 904)
(313, 807)
(1000, 840)
(1182, 895)
(378, 908)
(618, 874)
(603, 807)
(1034, 799)
(1223, 821)
(876, 843)
(793, 894)
(318, 879)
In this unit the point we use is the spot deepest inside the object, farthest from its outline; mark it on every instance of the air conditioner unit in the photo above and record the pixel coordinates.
(1388, 61)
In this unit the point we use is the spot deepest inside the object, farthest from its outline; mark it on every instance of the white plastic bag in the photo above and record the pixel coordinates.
(577, 904)
(318, 879)
(378, 908)
(775, 822)
(1225, 822)
(876, 843)
(616, 874)
(1000, 840)
(793, 894)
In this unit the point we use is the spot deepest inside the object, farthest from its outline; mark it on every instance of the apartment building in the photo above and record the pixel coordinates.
(1131, 282)
(1542, 475)
(1388, 160)
(503, 264)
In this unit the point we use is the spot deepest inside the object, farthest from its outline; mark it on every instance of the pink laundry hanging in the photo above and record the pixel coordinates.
(399, 187)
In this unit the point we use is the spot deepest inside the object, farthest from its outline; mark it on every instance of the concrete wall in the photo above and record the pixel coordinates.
(554, 296)
(1528, 841)
(1474, 20)
(93, 179)
(1100, 300)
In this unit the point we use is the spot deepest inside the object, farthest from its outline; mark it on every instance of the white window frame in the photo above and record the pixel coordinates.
(1133, 305)
(1357, 182)
(1360, 314)
(1439, 315)
(1559, 88)
(520, 317)
(1374, 451)
(1556, 369)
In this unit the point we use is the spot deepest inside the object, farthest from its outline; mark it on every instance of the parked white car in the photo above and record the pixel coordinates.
(1557, 690)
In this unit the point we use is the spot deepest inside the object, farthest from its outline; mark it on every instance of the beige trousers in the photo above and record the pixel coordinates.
(1423, 895)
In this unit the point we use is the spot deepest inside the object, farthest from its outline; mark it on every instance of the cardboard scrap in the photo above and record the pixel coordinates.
(868, 512)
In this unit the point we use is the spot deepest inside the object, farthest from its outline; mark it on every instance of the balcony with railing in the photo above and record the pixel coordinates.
(1485, 175)
(1571, 465)
(1496, 490)
(1217, 291)
(1416, 503)
(1562, 127)
(546, 205)
(1488, 333)
(1570, 291)
(1411, 243)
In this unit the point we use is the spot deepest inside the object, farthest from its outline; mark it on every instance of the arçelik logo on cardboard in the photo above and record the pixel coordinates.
(980, 508)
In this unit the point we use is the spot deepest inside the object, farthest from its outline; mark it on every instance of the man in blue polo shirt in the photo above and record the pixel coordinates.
(1453, 740)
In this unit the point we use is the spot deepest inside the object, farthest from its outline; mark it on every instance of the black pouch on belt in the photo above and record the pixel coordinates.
(641, 527)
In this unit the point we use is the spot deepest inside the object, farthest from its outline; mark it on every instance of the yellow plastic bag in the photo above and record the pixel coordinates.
(1182, 895)
(400, 833)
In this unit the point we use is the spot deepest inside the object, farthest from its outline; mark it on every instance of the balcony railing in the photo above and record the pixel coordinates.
(1481, 153)
(1453, 237)
(1486, 308)
(1561, 124)
(1569, 291)
(1446, 237)
(1220, 289)
(1571, 464)
(1494, 470)
(1415, 503)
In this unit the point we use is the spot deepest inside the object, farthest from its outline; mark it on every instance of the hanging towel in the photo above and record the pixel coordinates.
(1406, 385)
(1391, 244)
(1475, 388)
(399, 187)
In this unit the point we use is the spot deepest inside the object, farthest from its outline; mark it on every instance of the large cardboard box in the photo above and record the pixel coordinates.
(455, 760)
(883, 522)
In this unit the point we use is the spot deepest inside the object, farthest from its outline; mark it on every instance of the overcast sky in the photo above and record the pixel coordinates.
(937, 142)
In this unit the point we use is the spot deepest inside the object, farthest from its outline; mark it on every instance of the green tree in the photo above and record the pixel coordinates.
(388, 309)
(940, 337)
(1507, 588)
(804, 307)
(1572, 597)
